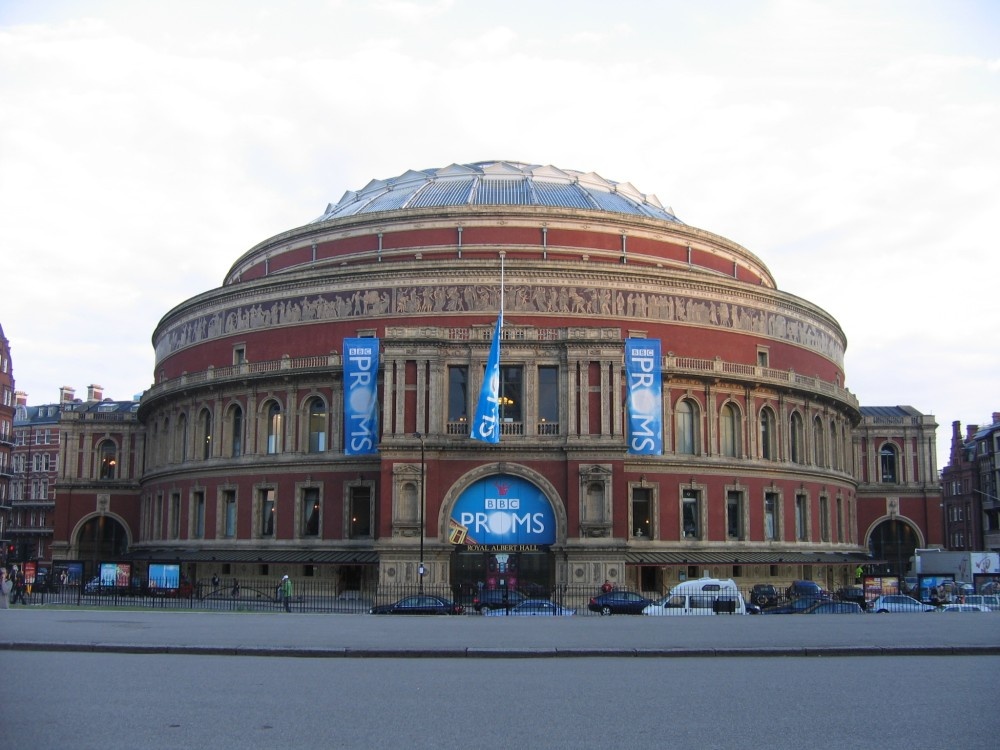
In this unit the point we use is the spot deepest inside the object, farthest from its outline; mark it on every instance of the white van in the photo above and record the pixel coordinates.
(704, 596)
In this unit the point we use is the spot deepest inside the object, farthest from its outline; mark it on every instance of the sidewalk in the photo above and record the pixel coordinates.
(313, 635)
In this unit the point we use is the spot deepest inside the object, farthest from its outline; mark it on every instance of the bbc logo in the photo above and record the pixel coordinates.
(502, 503)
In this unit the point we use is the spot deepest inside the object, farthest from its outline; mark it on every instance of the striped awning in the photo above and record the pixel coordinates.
(309, 557)
(747, 557)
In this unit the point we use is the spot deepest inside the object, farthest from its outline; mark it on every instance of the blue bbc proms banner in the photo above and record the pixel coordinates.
(502, 510)
(644, 381)
(360, 396)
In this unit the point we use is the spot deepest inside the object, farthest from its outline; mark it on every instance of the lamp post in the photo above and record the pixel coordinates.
(423, 496)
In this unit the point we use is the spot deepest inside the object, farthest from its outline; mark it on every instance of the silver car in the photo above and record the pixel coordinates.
(898, 603)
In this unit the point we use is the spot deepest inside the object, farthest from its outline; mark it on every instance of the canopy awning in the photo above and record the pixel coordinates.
(747, 557)
(309, 557)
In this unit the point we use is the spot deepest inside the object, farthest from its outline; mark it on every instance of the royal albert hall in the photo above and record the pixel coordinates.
(252, 463)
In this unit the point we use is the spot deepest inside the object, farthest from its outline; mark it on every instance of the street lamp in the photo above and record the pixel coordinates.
(423, 497)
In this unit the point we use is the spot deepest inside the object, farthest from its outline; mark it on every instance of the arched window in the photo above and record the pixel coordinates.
(887, 464)
(834, 453)
(768, 435)
(818, 450)
(206, 434)
(686, 421)
(273, 427)
(108, 452)
(730, 432)
(795, 438)
(182, 437)
(317, 425)
(236, 431)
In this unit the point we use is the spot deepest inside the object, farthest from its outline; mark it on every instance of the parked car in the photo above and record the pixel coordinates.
(763, 595)
(897, 603)
(619, 603)
(832, 607)
(532, 608)
(805, 588)
(489, 599)
(854, 594)
(990, 601)
(962, 608)
(795, 606)
(421, 604)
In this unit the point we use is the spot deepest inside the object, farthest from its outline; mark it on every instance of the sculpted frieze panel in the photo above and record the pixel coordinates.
(529, 299)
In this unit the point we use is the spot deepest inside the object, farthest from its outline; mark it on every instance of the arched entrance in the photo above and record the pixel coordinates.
(100, 539)
(893, 541)
(502, 528)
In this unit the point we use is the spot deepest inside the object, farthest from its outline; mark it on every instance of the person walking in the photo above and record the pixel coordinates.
(19, 587)
(286, 592)
(5, 588)
(236, 588)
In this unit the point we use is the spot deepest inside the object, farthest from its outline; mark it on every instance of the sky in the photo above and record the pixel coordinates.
(852, 145)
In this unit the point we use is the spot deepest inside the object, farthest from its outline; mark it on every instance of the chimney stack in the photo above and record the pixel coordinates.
(66, 394)
(95, 393)
(20, 398)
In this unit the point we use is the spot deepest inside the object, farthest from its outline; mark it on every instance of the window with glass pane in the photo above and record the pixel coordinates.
(824, 519)
(182, 434)
(770, 516)
(818, 442)
(795, 438)
(237, 433)
(229, 513)
(840, 520)
(684, 420)
(109, 462)
(887, 458)
(199, 515)
(734, 514)
(206, 434)
(175, 516)
(730, 429)
(690, 514)
(317, 425)
(458, 393)
(361, 512)
(767, 436)
(548, 400)
(267, 512)
(274, 428)
(511, 393)
(642, 512)
(801, 531)
(310, 511)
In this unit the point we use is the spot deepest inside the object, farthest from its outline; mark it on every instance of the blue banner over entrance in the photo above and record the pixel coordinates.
(644, 382)
(502, 510)
(360, 396)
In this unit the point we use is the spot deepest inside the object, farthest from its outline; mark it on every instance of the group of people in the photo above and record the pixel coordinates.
(12, 588)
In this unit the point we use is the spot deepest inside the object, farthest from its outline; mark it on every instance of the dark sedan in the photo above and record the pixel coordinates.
(421, 604)
(833, 608)
(795, 605)
(619, 603)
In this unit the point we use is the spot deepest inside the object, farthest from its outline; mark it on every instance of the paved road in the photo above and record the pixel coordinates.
(283, 634)
(59, 700)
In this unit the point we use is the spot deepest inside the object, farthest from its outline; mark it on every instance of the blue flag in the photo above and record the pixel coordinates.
(361, 396)
(486, 423)
(645, 385)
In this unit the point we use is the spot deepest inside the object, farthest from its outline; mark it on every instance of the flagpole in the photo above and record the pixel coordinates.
(503, 254)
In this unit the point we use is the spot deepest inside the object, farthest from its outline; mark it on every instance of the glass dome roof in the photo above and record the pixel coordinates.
(498, 183)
